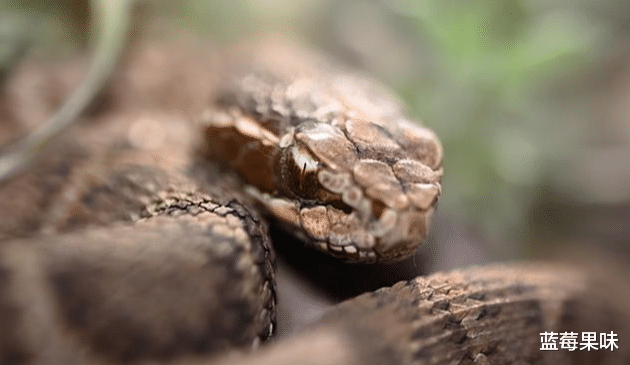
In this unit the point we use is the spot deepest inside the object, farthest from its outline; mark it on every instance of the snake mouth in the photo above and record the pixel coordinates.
(349, 253)
(353, 255)
(347, 233)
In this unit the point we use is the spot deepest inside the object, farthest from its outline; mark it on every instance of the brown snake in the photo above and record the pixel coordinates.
(121, 248)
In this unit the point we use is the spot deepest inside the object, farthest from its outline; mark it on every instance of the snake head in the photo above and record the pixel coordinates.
(329, 154)
(357, 190)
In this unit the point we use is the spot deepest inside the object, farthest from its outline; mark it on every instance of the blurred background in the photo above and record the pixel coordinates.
(530, 98)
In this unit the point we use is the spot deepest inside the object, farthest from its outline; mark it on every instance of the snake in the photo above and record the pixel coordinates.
(144, 237)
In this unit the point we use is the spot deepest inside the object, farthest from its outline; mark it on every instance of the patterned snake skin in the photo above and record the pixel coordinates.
(125, 245)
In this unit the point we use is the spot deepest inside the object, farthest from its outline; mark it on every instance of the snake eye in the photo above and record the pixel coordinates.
(300, 172)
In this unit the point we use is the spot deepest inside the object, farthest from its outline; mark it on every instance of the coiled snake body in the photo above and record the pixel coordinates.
(125, 249)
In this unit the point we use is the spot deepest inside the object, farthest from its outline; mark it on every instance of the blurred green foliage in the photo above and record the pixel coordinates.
(498, 62)
(52, 27)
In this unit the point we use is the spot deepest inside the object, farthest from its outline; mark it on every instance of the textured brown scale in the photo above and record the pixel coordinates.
(329, 144)
(245, 146)
(284, 211)
(421, 144)
(340, 143)
(372, 140)
(422, 195)
(415, 172)
(315, 222)
(254, 165)
(379, 181)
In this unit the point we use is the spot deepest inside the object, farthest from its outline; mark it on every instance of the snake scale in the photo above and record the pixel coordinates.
(126, 245)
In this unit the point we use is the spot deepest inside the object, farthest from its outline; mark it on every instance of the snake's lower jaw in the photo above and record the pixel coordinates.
(358, 246)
